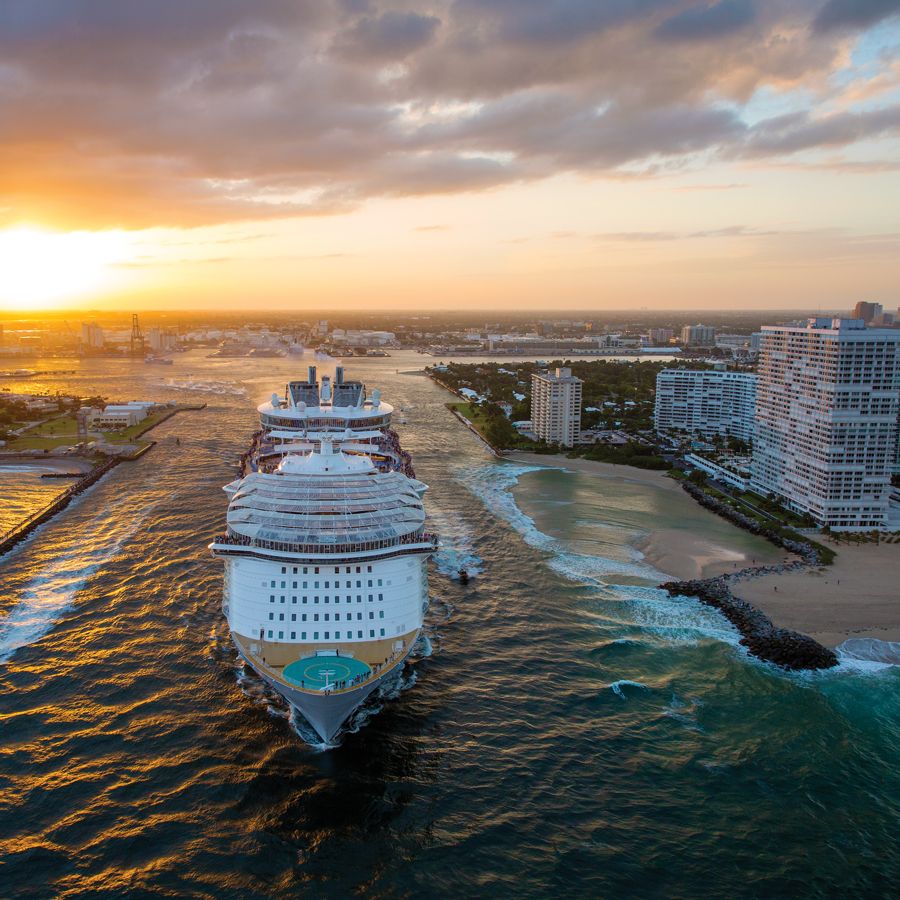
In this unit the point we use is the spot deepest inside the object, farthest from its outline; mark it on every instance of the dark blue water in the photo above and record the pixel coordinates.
(559, 732)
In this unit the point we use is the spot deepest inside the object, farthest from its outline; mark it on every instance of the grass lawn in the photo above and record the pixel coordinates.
(63, 431)
(472, 412)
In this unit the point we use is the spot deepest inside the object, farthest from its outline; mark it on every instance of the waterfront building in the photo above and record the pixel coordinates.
(698, 336)
(867, 311)
(556, 406)
(92, 335)
(826, 420)
(161, 339)
(118, 415)
(706, 402)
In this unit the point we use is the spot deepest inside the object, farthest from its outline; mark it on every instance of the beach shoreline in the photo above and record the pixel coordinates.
(676, 552)
(855, 597)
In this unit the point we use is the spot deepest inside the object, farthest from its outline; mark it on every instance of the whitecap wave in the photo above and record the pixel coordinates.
(616, 687)
(680, 620)
(872, 650)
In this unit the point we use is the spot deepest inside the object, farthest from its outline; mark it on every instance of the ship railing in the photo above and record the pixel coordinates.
(240, 540)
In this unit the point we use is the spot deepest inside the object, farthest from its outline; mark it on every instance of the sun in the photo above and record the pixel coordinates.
(42, 269)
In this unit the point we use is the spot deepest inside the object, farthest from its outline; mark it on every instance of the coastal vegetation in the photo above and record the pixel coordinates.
(62, 431)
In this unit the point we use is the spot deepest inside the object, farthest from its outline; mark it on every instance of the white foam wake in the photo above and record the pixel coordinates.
(455, 551)
(203, 386)
(49, 594)
(493, 484)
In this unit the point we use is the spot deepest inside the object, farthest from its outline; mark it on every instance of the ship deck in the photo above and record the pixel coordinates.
(316, 672)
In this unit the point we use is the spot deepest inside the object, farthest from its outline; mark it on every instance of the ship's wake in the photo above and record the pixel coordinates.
(456, 551)
(52, 592)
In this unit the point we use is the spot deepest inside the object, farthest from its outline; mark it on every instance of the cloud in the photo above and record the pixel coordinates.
(392, 35)
(704, 21)
(730, 231)
(853, 14)
(133, 115)
(800, 131)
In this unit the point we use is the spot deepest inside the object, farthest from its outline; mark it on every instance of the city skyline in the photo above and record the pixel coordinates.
(515, 156)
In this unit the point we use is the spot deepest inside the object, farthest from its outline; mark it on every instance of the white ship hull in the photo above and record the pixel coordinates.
(325, 712)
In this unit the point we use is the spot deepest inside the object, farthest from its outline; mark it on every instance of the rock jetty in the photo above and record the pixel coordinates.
(781, 646)
(803, 549)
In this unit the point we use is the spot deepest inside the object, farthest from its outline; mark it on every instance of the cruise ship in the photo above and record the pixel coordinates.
(325, 549)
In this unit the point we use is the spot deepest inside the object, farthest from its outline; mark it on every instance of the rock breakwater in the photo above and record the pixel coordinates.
(781, 646)
(804, 549)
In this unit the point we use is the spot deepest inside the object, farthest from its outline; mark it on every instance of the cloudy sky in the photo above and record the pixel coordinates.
(601, 154)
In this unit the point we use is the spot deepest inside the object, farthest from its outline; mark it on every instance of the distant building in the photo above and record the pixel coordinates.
(706, 402)
(116, 416)
(826, 420)
(867, 311)
(698, 336)
(161, 339)
(660, 335)
(91, 335)
(556, 406)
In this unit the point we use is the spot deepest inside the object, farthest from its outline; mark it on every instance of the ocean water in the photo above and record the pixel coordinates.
(565, 727)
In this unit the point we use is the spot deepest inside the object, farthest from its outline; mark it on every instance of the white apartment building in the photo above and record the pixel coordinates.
(556, 406)
(92, 334)
(116, 416)
(706, 402)
(698, 336)
(826, 420)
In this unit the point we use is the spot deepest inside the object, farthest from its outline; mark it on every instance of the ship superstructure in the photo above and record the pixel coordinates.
(309, 411)
(325, 551)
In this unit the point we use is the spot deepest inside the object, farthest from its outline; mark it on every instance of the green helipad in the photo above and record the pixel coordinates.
(317, 672)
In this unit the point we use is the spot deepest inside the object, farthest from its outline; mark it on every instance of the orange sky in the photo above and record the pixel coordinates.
(512, 155)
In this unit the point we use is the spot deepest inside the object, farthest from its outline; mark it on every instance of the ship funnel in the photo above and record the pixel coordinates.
(338, 374)
(311, 375)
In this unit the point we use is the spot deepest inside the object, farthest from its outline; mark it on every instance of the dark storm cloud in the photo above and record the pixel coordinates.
(849, 14)
(179, 113)
(705, 21)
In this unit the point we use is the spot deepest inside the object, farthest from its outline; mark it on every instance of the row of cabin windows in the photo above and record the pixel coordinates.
(337, 584)
(337, 569)
(315, 637)
(337, 616)
(346, 597)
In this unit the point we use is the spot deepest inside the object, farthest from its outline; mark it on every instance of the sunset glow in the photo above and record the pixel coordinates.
(41, 269)
(584, 155)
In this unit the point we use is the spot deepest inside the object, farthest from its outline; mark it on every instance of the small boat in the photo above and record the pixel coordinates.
(463, 576)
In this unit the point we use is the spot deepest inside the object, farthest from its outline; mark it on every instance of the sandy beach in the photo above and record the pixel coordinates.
(679, 552)
(858, 596)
